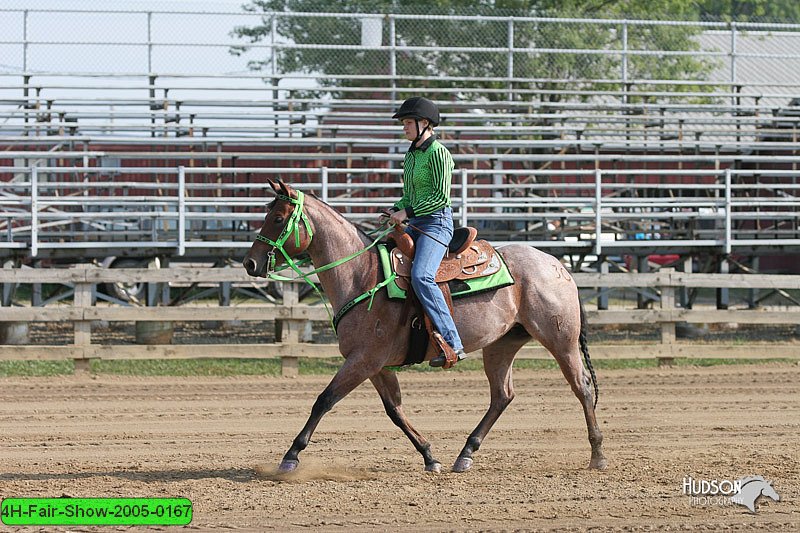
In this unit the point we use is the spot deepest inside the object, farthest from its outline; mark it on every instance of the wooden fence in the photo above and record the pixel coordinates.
(292, 316)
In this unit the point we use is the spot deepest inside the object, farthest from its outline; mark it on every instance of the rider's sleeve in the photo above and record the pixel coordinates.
(405, 201)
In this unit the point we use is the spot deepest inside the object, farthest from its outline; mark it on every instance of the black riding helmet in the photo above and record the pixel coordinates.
(418, 108)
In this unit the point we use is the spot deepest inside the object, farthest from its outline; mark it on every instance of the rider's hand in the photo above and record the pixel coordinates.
(398, 217)
(384, 216)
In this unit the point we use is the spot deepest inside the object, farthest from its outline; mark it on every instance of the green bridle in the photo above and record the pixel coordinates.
(293, 226)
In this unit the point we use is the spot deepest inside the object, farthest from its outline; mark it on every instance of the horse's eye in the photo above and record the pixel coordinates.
(279, 219)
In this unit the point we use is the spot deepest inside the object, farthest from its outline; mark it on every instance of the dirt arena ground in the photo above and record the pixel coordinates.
(218, 440)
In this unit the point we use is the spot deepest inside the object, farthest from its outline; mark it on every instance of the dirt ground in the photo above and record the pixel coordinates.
(217, 441)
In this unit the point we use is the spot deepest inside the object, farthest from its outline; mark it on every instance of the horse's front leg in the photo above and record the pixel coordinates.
(352, 373)
(388, 388)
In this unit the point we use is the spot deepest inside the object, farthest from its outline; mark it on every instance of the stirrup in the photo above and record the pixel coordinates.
(441, 359)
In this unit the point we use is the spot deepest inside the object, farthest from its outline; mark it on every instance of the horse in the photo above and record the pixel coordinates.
(542, 304)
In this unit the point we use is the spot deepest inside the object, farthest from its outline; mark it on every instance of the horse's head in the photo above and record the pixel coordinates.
(285, 233)
(770, 492)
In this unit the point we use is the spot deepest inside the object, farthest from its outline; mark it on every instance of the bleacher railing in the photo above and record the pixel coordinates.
(215, 211)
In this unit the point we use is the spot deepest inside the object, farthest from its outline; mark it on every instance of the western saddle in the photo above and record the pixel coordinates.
(466, 258)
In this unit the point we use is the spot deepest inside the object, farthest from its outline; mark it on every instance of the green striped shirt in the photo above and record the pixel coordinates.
(427, 175)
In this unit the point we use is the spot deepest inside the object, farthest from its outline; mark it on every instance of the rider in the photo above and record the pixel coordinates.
(427, 174)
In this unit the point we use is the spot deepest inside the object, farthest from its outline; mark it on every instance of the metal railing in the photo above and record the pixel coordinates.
(47, 120)
(182, 210)
(592, 161)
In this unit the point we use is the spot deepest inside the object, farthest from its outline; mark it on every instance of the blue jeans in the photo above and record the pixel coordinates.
(427, 258)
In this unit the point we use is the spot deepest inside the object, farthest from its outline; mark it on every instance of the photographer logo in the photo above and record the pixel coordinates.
(722, 492)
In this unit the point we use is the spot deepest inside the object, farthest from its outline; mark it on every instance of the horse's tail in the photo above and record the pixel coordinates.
(585, 350)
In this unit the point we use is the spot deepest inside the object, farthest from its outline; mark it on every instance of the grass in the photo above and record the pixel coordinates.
(188, 367)
(35, 368)
(317, 367)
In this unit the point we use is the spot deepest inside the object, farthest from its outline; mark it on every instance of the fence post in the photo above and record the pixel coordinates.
(733, 72)
(723, 296)
(181, 210)
(290, 331)
(667, 304)
(82, 299)
(685, 299)
(510, 70)
(11, 332)
(393, 56)
(25, 45)
(151, 331)
(273, 64)
(149, 42)
(324, 179)
(728, 217)
(152, 99)
(463, 191)
(602, 294)
(624, 61)
(642, 296)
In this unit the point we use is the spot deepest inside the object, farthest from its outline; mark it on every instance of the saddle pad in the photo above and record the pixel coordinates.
(458, 288)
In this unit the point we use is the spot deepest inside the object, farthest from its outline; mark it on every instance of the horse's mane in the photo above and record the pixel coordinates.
(340, 218)
(336, 214)
(750, 479)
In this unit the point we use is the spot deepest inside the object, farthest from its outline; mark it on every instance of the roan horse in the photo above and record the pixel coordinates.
(543, 304)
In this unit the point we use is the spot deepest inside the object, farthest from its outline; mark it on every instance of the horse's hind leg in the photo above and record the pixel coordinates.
(497, 360)
(580, 380)
(388, 388)
(581, 383)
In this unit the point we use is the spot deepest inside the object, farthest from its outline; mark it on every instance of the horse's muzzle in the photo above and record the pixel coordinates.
(253, 268)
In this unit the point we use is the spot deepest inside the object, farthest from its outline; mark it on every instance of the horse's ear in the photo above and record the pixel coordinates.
(274, 186)
(287, 190)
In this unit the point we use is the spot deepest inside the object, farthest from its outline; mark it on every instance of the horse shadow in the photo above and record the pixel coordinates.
(239, 475)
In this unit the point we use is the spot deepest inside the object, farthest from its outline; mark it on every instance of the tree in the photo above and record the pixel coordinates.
(441, 34)
(786, 11)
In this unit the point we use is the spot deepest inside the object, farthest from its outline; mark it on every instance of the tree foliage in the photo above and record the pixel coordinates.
(576, 62)
(786, 11)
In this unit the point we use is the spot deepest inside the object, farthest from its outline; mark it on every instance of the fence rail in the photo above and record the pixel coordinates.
(292, 316)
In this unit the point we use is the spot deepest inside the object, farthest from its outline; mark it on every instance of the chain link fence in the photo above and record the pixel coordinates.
(403, 51)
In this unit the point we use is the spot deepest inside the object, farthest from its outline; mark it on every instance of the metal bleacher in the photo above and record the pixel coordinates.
(185, 178)
(143, 164)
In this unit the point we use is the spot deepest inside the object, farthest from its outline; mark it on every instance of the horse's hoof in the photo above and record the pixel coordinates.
(598, 463)
(462, 464)
(287, 466)
(436, 468)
